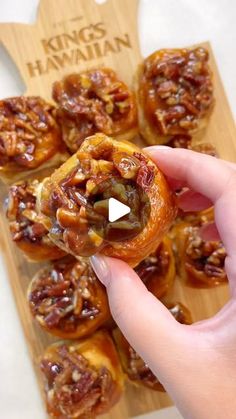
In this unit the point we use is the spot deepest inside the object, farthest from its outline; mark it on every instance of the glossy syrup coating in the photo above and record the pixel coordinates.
(82, 379)
(74, 201)
(29, 137)
(200, 262)
(26, 228)
(175, 93)
(186, 141)
(94, 101)
(67, 299)
(157, 271)
(133, 365)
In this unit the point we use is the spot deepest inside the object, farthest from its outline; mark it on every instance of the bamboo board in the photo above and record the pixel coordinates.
(73, 35)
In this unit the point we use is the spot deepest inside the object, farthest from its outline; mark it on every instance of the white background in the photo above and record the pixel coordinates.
(162, 23)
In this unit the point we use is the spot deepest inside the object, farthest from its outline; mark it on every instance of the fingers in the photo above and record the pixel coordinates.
(193, 201)
(209, 232)
(200, 172)
(145, 322)
(208, 176)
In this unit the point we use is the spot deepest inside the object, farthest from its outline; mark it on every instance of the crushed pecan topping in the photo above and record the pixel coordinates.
(154, 265)
(22, 213)
(29, 135)
(25, 224)
(176, 88)
(93, 101)
(74, 388)
(180, 141)
(206, 256)
(79, 203)
(205, 148)
(68, 299)
(157, 271)
(185, 141)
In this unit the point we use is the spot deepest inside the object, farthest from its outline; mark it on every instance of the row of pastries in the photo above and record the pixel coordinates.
(81, 144)
(173, 96)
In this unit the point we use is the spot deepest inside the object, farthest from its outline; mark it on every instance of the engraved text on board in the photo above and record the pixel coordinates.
(79, 45)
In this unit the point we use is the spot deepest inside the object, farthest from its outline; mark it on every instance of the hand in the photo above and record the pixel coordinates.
(197, 363)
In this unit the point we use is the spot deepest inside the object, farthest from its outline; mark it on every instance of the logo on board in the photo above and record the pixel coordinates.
(77, 46)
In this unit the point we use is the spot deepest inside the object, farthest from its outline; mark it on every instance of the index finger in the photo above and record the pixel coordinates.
(209, 176)
(202, 173)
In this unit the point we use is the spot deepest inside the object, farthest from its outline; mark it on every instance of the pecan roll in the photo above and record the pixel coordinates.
(29, 137)
(175, 93)
(201, 262)
(27, 230)
(82, 379)
(75, 201)
(68, 300)
(133, 365)
(157, 271)
(185, 141)
(95, 101)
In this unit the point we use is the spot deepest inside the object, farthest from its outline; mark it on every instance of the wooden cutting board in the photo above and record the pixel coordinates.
(70, 36)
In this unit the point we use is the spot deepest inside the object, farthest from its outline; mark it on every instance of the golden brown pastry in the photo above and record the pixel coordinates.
(157, 271)
(67, 299)
(185, 141)
(201, 262)
(27, 230)
(29, 137)
(136, 369)
(75, 200)
(175, 93)
(95, 101)
(82, 379)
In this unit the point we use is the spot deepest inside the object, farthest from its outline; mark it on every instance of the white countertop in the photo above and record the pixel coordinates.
(163, 23)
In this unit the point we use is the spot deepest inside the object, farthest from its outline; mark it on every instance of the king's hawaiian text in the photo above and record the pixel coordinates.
(83, 45)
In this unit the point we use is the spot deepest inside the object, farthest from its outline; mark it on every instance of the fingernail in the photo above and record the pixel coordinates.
(101, 269)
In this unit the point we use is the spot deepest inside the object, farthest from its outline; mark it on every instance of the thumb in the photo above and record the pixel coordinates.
(144, 320)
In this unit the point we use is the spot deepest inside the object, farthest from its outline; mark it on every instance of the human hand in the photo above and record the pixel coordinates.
(197, 363)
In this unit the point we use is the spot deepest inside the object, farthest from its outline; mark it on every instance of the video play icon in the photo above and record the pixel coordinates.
(117, 210)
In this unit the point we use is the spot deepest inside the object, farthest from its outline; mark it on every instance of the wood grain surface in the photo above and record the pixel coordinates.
(73, 35)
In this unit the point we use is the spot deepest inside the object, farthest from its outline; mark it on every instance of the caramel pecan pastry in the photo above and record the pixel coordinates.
(75, 201)
(157, 271)
(67, 299)
(82, 379)
(95, 101)
(175, 93)
(185, 141)
(29, 137)
(134, 367)
(27, 230)
(201, 263)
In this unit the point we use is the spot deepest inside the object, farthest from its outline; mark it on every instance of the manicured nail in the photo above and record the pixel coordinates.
(101, 269)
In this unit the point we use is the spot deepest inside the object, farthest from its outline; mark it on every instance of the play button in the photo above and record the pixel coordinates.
(117, 210)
